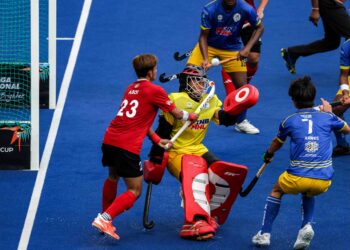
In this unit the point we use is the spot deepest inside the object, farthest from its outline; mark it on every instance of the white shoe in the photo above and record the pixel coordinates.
(305, 236)
(261, 240)
(246, 127)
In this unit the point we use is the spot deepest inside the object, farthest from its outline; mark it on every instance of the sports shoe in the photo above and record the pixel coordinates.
(246, 127)
(341, 150)
(105, 227)
(261, 240)
(289, 60)
(199, 230)
(305, 236)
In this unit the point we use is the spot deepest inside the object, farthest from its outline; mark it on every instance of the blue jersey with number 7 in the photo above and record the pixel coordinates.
(310, 133)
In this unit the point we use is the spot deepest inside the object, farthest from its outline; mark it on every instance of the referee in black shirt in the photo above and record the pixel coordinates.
(336, 23)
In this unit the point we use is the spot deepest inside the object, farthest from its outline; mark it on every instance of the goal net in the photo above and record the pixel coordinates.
(19, 80)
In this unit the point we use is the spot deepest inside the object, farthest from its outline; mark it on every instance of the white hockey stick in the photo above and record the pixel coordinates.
(198, 109)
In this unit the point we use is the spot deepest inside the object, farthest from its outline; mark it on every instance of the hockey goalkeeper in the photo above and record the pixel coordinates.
(209, 186)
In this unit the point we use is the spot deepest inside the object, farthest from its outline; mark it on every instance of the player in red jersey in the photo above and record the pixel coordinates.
(124, 137)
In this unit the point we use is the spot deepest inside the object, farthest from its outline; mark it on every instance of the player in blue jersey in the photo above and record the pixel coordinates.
(343, 146)
(310, 170)
(220, 36)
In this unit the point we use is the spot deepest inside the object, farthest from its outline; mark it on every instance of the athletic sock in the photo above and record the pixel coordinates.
(271, 210)
(109, 192)
(106, 216)
(123, 202)
(228, 83)
(251, 70)
(307, 209)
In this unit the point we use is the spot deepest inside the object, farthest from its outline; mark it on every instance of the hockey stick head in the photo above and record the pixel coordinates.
(164, 79)
(179, 57)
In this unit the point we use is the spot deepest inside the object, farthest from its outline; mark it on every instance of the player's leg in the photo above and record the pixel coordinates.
(109, 190)
(331, 41)
(271, 210)
(237, 71)
(254, 55)
(195, 187)
(228, 83)
(121, 163)
(309, 188)
(252, 65)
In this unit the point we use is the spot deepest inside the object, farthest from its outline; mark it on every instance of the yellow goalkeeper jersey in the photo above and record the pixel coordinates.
(190, 141)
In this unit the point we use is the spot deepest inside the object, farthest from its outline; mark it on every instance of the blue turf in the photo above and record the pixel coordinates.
(116, 31)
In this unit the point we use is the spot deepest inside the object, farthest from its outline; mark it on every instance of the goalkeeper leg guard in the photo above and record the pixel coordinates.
(195, 186)
(226, 180)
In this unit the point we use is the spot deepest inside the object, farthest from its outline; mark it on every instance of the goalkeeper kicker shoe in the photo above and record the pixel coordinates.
(246, 127)
(305, 236)
(261, 240)
(105, 227)
(289, 60)
(212, 222)
(199, 230)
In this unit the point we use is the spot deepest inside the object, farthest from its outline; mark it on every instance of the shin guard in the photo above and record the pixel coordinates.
(226, 180)
(195, 187)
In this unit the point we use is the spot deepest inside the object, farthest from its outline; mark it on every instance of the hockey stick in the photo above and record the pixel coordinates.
(245, 192)
(223, 61)
(146, 223)
(163, 78)
(179, 57)
(198, 109)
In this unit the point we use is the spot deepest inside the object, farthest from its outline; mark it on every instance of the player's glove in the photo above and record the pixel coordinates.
(192, 117)
(267, 158)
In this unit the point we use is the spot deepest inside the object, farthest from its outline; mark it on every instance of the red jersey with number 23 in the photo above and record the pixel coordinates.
(136, 114)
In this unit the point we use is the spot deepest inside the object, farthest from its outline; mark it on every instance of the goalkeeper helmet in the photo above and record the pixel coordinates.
(194, 81)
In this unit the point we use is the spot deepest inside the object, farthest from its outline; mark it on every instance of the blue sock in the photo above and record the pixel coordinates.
(307, 209)
(341, 139)
(271, 210)
(241, 117)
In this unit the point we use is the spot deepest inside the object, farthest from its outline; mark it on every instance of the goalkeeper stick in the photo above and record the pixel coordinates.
(146, 223)
(245, 192)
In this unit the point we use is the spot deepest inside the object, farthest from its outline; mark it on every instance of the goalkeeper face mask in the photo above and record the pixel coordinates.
(196, 86)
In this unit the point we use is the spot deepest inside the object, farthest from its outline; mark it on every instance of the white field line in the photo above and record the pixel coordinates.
(39, 182)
